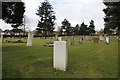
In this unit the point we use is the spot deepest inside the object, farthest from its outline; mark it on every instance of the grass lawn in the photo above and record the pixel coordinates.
(87, 60)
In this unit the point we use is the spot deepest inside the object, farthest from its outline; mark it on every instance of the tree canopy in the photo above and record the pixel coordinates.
(47, 17)
(91, 28)
(112, 18)
(12, 13)
(66, 26)
(76, 29)
(83, 29)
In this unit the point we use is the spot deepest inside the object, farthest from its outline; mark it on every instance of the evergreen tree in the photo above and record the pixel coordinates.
(47, 18)
(83, 29)
(91, 28)
(76, 29)
(112, 18)
(66, 25)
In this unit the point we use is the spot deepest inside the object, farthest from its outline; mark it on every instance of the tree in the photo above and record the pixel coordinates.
(66, 25)
(12, 13)
(47, 18)
(91, 28)
(83, 29)
(76, 29)
(112, 18)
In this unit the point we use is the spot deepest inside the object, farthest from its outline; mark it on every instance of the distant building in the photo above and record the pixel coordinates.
(7, 32)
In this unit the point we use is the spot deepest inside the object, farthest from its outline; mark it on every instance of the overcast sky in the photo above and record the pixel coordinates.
(76, 11)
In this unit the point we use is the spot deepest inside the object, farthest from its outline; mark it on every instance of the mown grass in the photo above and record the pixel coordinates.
(87, 60)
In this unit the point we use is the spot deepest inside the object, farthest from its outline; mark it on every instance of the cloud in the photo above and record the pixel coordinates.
(4, 25)
(76, 11)
(79, 11)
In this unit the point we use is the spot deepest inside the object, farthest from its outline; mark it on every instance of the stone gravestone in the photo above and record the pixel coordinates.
(107, 40)
(60, 55)
(59, 38)
(86, 37)
(30, 37)
(102, 38)
(56, 37)
(81, 39)
(71, 40)
(95, 39)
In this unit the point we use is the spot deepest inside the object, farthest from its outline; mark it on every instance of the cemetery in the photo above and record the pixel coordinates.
(34, 45)
(87, 60)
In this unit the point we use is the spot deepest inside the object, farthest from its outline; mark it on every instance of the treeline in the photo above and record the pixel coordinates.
(13, 13)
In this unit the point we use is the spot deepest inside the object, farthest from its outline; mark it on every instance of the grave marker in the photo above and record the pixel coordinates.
(30, 37)
(81, 39)
(60, 55)
(60, 38)
(95, 39)
(107, 40)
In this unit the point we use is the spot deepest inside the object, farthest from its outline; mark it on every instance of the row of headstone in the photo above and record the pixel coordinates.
(72, 40)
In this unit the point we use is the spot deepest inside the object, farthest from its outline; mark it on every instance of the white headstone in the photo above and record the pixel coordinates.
(81, 39)
(86, 37)
(101, 38)
(107, 40)
(60, 55)
(30, 37)
(56, 37)
(60, 38)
